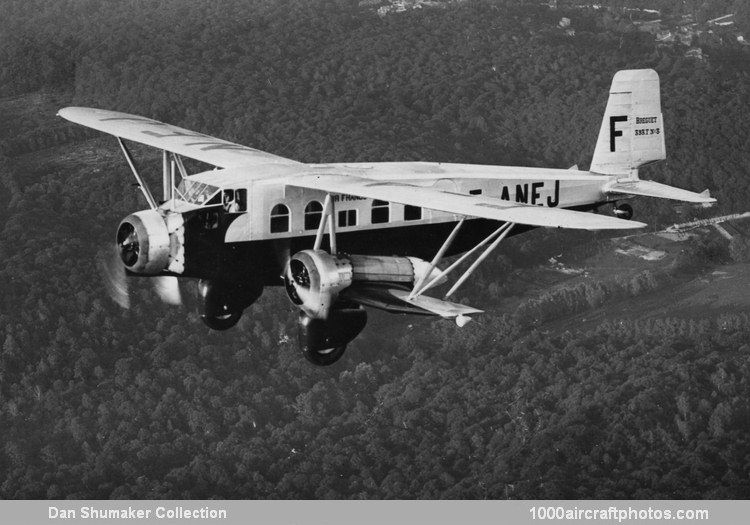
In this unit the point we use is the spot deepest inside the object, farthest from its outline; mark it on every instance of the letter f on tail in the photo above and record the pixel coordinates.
(632, 132)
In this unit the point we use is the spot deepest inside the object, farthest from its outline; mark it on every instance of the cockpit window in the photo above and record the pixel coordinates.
(196, 192)
(235, 201)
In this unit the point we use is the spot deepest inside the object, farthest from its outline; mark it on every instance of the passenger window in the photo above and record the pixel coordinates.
(313, 215)
(475, 192)
(347, 218)
(380, 212)
(279, 219)
(412, 213)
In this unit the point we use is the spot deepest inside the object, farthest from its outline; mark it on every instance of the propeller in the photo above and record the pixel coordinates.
(168, 289)
(116, 278)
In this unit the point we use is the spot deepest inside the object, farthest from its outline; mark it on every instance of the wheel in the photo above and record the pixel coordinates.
(624, 211)
(323, 341)
(324, 357)
(222, 322)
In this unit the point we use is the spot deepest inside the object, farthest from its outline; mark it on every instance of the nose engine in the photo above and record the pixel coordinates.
(143, 242)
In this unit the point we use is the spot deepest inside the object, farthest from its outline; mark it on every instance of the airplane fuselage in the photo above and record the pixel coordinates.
(281, 220)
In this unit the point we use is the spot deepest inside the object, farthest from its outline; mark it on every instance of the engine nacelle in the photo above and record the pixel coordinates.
(143, 242)
(314, 278)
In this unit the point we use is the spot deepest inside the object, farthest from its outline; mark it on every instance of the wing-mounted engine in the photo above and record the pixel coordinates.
(315, 281)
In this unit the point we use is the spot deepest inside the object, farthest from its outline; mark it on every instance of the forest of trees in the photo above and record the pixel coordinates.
(97, 402)
(700, 9)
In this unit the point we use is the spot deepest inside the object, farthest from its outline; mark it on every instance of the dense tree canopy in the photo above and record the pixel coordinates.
(96, 402)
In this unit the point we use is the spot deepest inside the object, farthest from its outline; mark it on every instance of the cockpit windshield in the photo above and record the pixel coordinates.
(196, 192)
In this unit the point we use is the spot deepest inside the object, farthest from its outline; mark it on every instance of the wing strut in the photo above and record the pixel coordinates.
(167, 184)
(329, 210)
(497, 236)
(173, 189)
(435, 261)
(172, 162)
(508, 226)
(141, 184)
(180, 165)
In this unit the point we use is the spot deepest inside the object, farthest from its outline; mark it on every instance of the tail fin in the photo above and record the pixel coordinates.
(632, 132)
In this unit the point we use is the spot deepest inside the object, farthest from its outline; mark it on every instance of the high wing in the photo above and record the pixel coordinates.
(198, 146)
(461, 204)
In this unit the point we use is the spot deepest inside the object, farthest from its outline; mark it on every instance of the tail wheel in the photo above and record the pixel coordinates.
(624, 211)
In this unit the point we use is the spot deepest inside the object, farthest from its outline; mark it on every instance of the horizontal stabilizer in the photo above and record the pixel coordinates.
(647, 188)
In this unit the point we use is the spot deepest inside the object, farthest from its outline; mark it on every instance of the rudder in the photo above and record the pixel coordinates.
(632, 132)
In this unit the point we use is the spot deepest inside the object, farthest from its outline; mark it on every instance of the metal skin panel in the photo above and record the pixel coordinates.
(632, 131)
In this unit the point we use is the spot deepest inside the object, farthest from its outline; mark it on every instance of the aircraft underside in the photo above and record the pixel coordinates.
(232, 261)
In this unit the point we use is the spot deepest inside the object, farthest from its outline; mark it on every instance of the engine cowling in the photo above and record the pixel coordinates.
(143, 242)
(315, 278)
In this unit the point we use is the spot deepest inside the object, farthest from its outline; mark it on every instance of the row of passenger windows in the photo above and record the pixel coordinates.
(379, 214)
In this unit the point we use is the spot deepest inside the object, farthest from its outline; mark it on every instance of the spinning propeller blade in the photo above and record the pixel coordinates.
(168, 290)
(114, 277)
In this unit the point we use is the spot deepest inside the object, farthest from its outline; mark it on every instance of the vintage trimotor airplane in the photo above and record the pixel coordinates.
(260, 219)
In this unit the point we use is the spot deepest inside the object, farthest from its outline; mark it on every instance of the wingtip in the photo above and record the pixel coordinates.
(74, 113)
(65, 112)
